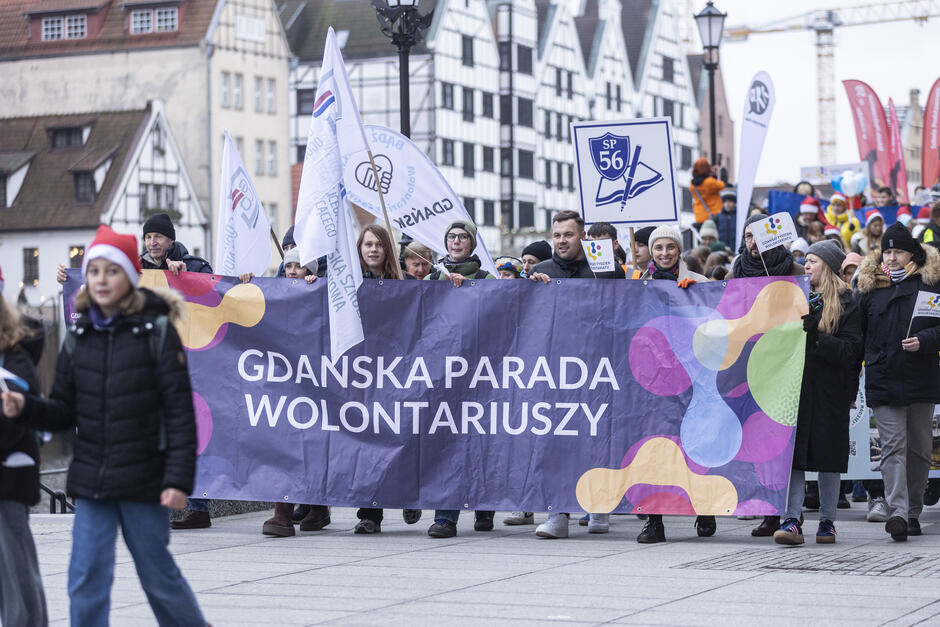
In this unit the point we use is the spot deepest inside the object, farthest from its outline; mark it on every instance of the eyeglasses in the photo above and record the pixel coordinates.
(463, 237)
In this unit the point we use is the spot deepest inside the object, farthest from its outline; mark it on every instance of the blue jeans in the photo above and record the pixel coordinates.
(829, 485)
(146, 530)
(198, 505)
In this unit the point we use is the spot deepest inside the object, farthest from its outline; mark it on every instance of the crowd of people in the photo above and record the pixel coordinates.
(122, 381)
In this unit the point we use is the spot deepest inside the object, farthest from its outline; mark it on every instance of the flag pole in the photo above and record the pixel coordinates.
(391, 231)
(761, 255)
(277, 243)
(633, 248)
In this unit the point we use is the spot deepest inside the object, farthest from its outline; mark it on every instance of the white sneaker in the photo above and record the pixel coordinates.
(555, 527)
(519, 518)
(599, 523)
(877, 509)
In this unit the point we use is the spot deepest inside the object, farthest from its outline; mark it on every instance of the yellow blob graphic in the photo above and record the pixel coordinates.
(776, 304)
(243, 305)
(658, 462)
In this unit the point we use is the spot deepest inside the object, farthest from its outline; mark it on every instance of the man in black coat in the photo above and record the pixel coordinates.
(163, 252)
(568, 260)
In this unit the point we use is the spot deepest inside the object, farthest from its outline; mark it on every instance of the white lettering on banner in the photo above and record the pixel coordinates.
(541, 419)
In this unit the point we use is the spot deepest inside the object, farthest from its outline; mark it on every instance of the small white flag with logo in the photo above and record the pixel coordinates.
(244, 243)
(600, 254)
(927, 305)
(774, 231)
(324, 223)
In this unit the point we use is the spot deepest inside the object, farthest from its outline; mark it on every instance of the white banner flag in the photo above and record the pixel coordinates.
(600, 254)
(324, 223)
(927, 305)
(774, 231)
(419, 200)
(758, 107)
(244, 243)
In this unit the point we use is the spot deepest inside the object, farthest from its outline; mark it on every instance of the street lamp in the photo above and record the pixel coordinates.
(400, 21)
(711, 23)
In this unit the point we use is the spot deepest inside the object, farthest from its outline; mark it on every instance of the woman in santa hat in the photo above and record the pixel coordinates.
(122, 383)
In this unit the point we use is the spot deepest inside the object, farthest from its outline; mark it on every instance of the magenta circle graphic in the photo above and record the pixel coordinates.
(203, 423)
(655, 366)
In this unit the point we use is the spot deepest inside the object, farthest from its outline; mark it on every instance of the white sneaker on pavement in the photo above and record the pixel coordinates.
(599, 523)
(877, 509)
(555, 527)
(519, 518)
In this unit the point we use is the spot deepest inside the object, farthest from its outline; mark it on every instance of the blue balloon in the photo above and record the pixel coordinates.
(837, 183)
(862, 182)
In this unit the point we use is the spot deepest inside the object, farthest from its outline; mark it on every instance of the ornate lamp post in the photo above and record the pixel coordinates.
(711, 23)
(401, 22)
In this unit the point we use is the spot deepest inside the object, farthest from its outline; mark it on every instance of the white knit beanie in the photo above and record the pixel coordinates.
(667, 231)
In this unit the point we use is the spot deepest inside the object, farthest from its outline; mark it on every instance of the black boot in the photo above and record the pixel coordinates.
(705, 526)
(653, 531)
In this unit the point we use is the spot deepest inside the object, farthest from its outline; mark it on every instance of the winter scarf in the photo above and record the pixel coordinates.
(671, 274)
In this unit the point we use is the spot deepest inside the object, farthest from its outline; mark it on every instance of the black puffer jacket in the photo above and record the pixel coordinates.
(177, 252)
(830, 383)
(558, 268)
(894, 376)
(19, 484)
(117, 394)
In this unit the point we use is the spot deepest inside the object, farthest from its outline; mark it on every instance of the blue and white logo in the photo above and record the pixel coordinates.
(619, 167)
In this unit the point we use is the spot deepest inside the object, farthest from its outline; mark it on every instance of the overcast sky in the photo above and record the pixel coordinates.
(892, 58)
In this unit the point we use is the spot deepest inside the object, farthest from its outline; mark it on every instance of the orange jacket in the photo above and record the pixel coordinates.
(710, 190)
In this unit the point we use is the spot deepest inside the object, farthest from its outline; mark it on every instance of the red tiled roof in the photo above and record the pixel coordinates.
(113, 34)
(47, 198)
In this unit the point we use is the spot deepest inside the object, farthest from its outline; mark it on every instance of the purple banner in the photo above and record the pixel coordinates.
(592, 395)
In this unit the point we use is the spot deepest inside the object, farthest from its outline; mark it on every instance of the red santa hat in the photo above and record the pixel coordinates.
(923, 216)
(871, 214)
(837, 197)
(904, 215)
(116, 248)
(830, 230)
(810, 204)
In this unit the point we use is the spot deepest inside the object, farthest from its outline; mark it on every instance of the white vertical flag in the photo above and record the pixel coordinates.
(244, 243)
(324, 222)
(758, 107)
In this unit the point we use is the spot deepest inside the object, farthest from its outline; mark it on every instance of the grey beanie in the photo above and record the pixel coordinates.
(831, 254)
(666, 231)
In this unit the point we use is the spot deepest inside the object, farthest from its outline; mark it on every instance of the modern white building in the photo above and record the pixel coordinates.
(63, 175)
(217, 64)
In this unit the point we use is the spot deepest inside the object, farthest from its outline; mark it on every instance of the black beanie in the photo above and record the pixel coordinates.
(288, 238)
(897, 236)
(541, 250)
(160, 223)
(642, 236)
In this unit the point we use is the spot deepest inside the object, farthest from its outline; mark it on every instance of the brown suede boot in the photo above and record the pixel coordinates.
(280, 524)
(316, 519)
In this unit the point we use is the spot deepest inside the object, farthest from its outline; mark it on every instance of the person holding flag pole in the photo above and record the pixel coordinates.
(899, 295)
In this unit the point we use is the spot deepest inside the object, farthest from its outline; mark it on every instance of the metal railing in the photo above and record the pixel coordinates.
(58, 502)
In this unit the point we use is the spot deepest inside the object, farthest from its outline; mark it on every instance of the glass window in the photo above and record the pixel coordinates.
(525, 112)
(609, 96)
(558, 81)
(570, 177)
(570, 85)
(505, 110)
(447, 96)
(470, 204)
(51, 28)
(526, 215)
(76, 255)
(524, 61)
(669, 109)
(467, 104)
(272, 158)
(685, 160)
(3, 191)
(259, 93)
(668, 70)
(141, 21)
(271, 95)
(505, 208)
(259, 157)
(75, 27)
(489, 213)
(488, 105)
(469, 169)
(226, 95)
(447, 150)
(305, 100)
(489, 159)
(548, 173)
(67, 137)
(619, 98)
(505, 56)
(560, 125)
(30, 266)
(548, 123)
(505, 161)
(167, 19)
(558, 175)
(467, 50)
(237, 91)
(526, 164)
(84, 187)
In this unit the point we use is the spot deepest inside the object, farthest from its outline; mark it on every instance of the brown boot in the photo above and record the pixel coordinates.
(280, 524)
(316, 519)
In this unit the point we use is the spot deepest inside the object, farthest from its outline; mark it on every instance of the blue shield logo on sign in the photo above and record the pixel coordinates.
(611, 155)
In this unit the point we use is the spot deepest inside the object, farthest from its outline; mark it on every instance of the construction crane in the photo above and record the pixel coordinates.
(823, 23)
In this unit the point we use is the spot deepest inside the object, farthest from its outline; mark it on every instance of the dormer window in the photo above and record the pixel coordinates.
(84, 187)
(64, 27)
(67, 137)
(159, 20)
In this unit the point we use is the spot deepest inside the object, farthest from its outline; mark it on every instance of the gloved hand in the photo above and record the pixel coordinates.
(686, 282)
(810, 324)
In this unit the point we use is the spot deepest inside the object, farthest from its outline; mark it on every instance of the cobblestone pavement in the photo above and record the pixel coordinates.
(510, 577)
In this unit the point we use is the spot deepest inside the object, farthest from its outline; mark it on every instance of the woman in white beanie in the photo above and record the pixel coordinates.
(666, 263)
